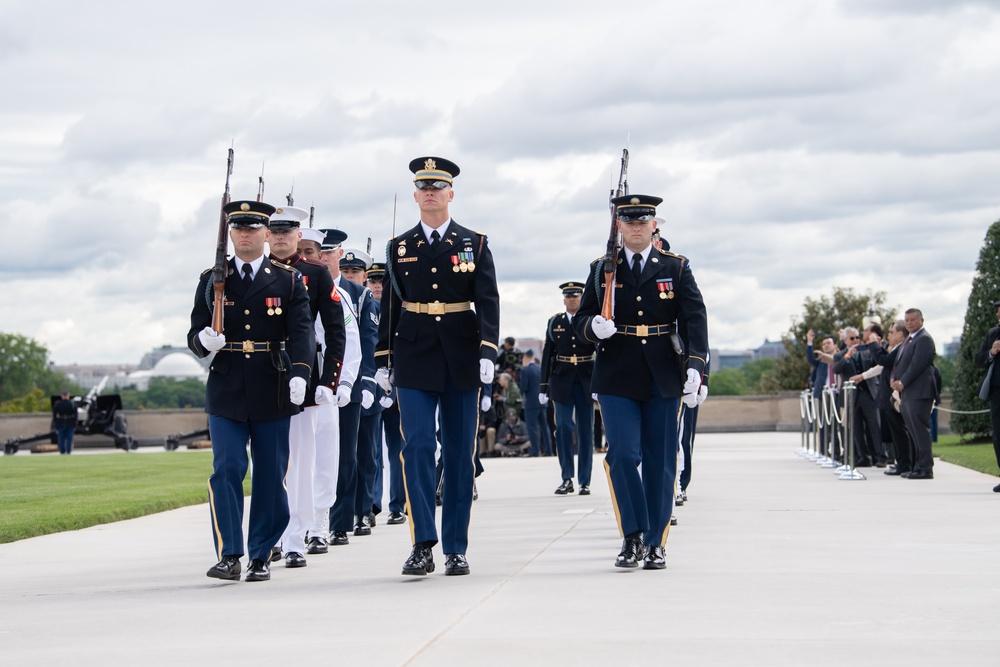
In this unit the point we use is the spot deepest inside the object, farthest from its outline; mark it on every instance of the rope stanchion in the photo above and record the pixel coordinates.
(848, 471)
(962, 412)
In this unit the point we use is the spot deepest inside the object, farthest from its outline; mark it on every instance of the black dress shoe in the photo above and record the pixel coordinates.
(565, 487)
(455, 564)
(228, 568)
(673, 519)
(632, 552)
(654, 559)
(895, 471)
(275, 555)
(880, 463)
(371, 518)
(919, 474)
(584, 490)
(258, 570)
(420, 562)
(316, 545)
(863, 463)
(338, 538)
(362, 526)
(996, 489)
(395, 518)
(295, 559)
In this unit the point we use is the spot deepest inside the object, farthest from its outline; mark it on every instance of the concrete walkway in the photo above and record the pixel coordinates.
(775, 562)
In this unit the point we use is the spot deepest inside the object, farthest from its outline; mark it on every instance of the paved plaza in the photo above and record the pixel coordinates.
(774, 562)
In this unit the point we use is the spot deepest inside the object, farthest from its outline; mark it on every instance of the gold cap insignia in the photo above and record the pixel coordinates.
(350, 255)
(245, 207)
(430, 164)
(633, 200)
(278, 210)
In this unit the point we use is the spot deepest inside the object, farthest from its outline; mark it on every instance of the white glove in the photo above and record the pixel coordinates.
(486, 371)
(297, 390)
(594, 396)
(485, 403)
(367, 399)
(324, 395)
(211, 340)
(343, 395)
(693, 381)
(603, 328)
(384, 378)
(543, 399)
(385, 402)
(702, 394)
(691, 388)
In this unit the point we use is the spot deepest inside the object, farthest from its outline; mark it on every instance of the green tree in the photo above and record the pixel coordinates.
(727, 382)
(24, 366)
(980, 315)
(825, 315)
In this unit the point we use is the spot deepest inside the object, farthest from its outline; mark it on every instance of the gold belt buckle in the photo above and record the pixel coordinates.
(436, 308)
(247, 346)
(642, 330)
(572, 360)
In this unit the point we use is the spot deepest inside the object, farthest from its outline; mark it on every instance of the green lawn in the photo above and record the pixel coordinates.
(49, 494)
(976, 455)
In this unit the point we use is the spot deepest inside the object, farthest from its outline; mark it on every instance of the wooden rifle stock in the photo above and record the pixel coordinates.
(611, 255)
(219, 270)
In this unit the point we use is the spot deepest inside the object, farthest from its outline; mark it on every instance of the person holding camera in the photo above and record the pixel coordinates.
(512, 437)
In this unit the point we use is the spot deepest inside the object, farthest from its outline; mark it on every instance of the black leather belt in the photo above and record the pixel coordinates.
(643, 330)
(574, 359)
(248, 346)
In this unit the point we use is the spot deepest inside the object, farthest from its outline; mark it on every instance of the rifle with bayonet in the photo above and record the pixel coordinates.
(611, 256)
(219, 270)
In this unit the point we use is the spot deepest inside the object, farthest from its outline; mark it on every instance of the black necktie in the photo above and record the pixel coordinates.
(247, 278)
(636, 266)
(435, 237)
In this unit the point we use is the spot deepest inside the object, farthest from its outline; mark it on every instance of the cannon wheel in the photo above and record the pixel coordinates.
(120, 429)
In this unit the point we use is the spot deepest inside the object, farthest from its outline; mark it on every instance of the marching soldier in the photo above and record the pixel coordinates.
(641, 373)
(324, 302)
(567, 366)
(440, 352)
(257, 382)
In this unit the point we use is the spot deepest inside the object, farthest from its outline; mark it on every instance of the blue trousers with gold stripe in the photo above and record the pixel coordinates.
(583, 404)
(641, 432)
(268, 500)
(459, 429)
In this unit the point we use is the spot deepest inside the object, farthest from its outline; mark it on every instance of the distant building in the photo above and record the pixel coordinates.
(90, 375)
(736, 358)
(176, 366)
(951, 348)
(152, 357)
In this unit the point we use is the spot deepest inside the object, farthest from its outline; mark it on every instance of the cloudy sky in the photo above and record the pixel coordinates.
(798, 146)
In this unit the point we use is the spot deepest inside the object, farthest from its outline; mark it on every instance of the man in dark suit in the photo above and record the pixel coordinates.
(849, 363)
(567, 370)
(324, 302)
(885, 356)
(913, 378)
(987, 354)
(641, 373)
(438, 351)
(534, 409)
(270, 338)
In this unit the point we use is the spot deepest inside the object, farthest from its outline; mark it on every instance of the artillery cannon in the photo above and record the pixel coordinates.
(96, 415)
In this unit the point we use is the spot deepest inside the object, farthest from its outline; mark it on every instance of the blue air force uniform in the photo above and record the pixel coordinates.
(639, 376)
(567, 369)
(269, 339)
(433, 339)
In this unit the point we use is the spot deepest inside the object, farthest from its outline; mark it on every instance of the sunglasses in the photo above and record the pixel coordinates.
(645, 217)
(437, 185)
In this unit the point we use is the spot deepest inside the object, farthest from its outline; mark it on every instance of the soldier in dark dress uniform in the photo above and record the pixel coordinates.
(440, 352)
(256, 383)
(641, 372)
(567, 366)
(324, 302)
